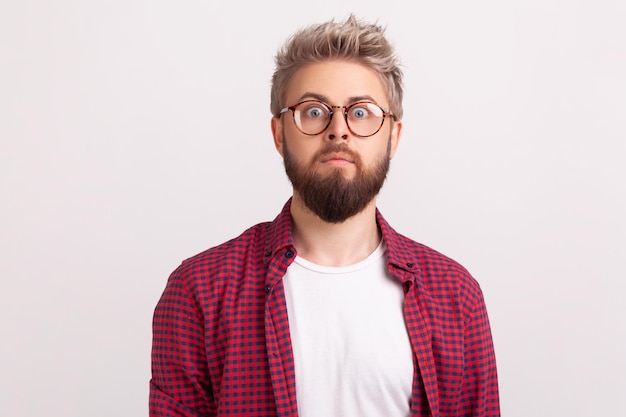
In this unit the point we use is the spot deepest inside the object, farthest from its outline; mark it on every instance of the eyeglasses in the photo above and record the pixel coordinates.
(363, 118)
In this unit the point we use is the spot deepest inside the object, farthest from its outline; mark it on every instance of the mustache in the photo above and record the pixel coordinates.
(336, 148)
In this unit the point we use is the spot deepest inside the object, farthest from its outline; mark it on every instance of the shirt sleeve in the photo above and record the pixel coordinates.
(479, 394)
(180, 385)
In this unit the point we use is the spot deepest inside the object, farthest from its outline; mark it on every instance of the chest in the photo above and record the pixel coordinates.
(351, 349)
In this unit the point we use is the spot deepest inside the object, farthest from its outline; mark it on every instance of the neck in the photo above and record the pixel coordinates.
(334, 244)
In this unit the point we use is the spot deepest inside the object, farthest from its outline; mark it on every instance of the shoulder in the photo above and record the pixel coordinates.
(241, 257)
(212, 268)
(435, 273)
(434, 265)
(235, 248)
(442, 280)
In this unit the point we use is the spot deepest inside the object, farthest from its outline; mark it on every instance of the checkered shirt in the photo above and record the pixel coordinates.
(221, 343)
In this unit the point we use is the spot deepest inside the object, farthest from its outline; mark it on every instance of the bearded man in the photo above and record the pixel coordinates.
(326, 311)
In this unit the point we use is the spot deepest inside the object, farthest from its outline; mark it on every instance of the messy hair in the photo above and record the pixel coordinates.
(350, 40)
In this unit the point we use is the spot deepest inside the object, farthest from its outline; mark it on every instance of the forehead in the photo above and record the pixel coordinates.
(340, 82)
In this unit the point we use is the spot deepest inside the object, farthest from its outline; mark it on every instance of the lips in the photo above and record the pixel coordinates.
(337, 156)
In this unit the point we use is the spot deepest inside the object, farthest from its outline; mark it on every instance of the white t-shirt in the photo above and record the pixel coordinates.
(351, 348)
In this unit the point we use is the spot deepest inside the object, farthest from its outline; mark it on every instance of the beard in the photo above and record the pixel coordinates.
(331, 196)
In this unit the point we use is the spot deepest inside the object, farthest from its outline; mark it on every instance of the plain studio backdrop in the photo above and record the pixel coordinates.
(136, 133)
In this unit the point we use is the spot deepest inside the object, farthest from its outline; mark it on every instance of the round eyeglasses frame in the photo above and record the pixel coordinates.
(331, 113)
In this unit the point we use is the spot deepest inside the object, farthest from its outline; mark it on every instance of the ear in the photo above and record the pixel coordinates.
(396, 133)
(277, 133)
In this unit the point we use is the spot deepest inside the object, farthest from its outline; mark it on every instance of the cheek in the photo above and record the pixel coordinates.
(374, 155)
(299, 149)
(298, 141)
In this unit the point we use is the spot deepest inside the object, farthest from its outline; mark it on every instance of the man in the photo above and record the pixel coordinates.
(326, 311)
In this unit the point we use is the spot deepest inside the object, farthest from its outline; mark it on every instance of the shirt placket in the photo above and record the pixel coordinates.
(278, 338)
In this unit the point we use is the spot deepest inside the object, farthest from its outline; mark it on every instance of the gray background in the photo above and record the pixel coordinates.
(134, 134)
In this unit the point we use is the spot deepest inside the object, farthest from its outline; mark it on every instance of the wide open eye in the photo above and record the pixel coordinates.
(314, 111)
(365, 110)
(360, 111)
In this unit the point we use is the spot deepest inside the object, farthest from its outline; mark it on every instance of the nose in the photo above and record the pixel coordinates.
(338, 127)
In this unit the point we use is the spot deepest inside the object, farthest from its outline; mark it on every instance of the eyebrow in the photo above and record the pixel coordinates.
(325, 99)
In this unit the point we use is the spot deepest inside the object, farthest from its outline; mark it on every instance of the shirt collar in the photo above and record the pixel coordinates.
(401, 254)
(279, 236)
(400, 250)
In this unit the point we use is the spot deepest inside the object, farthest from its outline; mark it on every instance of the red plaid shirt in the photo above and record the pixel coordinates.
(221, 343)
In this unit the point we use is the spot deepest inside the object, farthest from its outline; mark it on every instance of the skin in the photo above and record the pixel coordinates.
(340, 83)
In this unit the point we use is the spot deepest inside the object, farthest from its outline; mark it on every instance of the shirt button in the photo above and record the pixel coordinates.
(409, 265)
(267, 289)
(289, 254)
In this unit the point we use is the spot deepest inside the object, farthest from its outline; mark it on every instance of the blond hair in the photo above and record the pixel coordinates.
(351, 40)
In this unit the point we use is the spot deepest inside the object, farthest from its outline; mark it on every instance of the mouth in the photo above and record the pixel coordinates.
(337, 158)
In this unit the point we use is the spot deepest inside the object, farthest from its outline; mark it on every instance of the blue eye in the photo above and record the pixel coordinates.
(360, 111)
(315, 112)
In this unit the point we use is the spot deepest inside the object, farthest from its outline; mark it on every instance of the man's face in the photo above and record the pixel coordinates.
(336, 173)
